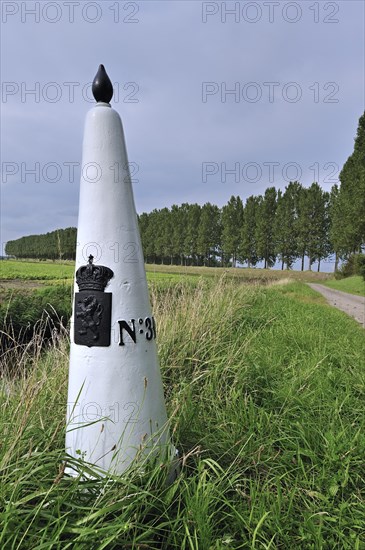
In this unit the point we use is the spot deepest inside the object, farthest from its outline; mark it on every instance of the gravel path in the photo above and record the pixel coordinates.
(349, 303)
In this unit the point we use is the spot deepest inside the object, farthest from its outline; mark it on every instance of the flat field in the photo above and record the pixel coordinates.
(35, 271)
(12, 270)
(264, 386)
(242, 274)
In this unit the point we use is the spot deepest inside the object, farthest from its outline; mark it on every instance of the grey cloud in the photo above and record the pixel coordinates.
(170, 132)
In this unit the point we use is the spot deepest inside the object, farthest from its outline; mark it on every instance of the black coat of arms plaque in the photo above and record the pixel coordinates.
(93, 306)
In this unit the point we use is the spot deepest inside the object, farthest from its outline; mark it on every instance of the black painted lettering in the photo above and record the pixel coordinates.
(149, 333)
(131, 330)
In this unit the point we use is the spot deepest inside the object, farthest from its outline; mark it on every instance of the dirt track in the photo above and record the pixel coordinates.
(349, 303)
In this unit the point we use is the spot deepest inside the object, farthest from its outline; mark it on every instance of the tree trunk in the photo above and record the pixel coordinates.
(265, 264)
(336, 262)
(282, 265)
(319, 265)
(310, 264)
(303, 262)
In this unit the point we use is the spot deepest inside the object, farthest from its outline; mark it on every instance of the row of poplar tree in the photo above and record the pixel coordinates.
(287, 225)
(56, 245)
(277, 225)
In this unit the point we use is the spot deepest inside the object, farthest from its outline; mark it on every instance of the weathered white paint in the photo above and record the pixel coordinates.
(119, 387)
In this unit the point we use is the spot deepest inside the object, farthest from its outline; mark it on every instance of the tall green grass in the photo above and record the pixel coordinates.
(25, 314)
(265, 391)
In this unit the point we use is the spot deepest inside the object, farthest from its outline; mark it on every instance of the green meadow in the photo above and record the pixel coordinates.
(265, 390)
(55, 270)
(36, 271)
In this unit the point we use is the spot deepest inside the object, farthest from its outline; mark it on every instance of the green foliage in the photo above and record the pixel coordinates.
(59, 244)
(348, 267)
(360, 265)
(171, 236)
(338, 275)
(348, 203)
(354, 265)
(313, 224)
(265, 227)
(232, 218)
(209, 233)
(191, 228)
(286, 229)
(265, 391)
(248, 246)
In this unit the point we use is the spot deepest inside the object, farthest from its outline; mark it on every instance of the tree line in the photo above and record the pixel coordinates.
(287, 225)
(56, 245)
(277, 225)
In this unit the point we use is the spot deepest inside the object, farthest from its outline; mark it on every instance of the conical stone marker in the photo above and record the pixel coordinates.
(116, 409)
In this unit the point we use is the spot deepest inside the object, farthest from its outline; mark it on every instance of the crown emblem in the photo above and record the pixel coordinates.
(93, 277)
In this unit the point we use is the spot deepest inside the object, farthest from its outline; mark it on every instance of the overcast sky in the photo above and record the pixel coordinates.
(295, 71)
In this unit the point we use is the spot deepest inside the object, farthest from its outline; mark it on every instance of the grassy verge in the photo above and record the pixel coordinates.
(265, 387)
(352, 285)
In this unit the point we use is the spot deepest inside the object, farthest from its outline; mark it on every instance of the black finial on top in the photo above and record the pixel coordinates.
(102, 87)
